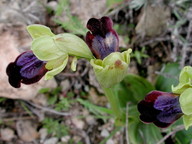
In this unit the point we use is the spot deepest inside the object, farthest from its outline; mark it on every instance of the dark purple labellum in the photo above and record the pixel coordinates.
(160, 108)
(26, 69)
(102, 39)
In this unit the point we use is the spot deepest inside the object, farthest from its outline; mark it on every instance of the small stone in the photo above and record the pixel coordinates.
(52, 140)
(90, 120)
(42, 134)
(65, 85)
(104, 133)
(110, 141)
(65, 139)
(7, 134)
(52, 5)
(78, 123)
(26, 131)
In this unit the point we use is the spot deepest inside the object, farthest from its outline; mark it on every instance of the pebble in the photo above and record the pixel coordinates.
(7, 134)
(52, 140)
(104, 133)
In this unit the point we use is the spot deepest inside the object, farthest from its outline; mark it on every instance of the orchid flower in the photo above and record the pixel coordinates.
(160, 108)
(25, 69)
(163, 108)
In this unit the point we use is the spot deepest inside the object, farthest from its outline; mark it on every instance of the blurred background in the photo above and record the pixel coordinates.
(71, 108)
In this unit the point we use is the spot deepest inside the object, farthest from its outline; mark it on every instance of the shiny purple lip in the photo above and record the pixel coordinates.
(160, 108)
(101, 39)
(26, 69)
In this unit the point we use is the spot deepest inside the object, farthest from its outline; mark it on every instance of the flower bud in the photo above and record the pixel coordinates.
(112, 69)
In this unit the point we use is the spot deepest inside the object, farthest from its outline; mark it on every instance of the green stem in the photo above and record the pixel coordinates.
(114, 102)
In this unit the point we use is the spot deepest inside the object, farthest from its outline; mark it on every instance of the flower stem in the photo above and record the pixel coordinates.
(114, 102)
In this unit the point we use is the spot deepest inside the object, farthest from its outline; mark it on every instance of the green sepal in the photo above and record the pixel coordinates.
(185, 101)
(37, 31)
(56, 68)
(185, 80)
(112, 69)
(186, 74)
(73, 45)
(181, 87)
(45, 48)
(187, 120)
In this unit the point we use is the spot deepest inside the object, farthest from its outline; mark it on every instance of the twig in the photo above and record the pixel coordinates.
(46, 109)
(158, 39)
(17, 118)
(127, 122)
(178, 128)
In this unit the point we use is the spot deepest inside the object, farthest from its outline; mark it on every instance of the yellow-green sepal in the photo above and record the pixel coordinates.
(187, 121)
(186, 75)
(185, 80)
(37, 31)
(73, 45)
(112, 69)
(181, 87)
(185, 101)
(45, 48)
(56, 66)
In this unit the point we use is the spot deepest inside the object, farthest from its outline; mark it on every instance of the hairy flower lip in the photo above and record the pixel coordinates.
(25, 69)
(160, 108)
(102, 39)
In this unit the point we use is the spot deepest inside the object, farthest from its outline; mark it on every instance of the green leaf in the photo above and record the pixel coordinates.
(37, 31)
(44, 90)
(133, 89)
(94, 108)
(170, 73)
(111, 3)
(98, 111)
(184, 137)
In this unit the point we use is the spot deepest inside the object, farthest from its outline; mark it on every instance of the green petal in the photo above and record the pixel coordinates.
(37, 31)
(112, 69)
(56, 70)
(45, 48)
(73, 45)
(185, 100)
(74, 64)
(187, 120)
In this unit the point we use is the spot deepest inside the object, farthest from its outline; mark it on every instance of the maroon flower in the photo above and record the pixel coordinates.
(26, 69)
(161, 108)
(102, 39)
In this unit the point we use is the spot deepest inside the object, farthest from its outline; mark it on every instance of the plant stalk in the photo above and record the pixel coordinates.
(114, 102)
